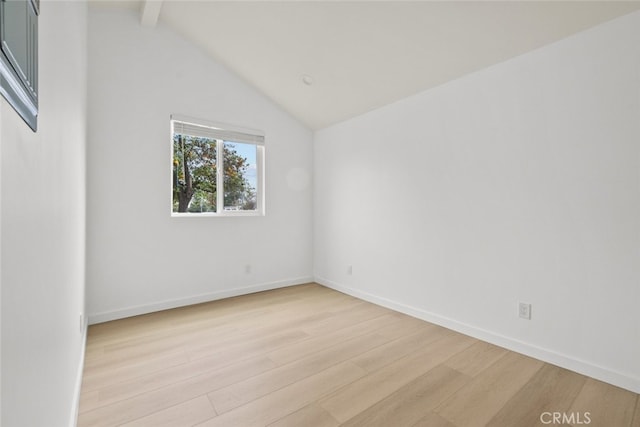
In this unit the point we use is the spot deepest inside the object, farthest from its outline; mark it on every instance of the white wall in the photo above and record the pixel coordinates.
(43, 231)
(1, 265)
(139, 258)
(516, 183)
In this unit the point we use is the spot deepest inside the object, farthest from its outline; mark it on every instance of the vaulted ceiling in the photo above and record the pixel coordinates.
(327, 61)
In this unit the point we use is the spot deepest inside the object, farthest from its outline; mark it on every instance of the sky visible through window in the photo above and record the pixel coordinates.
(248, 151)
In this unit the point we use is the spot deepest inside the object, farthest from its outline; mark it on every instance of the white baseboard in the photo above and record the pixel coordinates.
(78, 387)
(196, 299)
(571, 363)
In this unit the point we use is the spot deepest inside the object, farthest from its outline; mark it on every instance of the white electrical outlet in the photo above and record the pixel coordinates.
(81, 323)
(350, 270)
(524, 310)
(247, 268)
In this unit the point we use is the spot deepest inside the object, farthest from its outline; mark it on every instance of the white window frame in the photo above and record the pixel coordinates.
(219, 132)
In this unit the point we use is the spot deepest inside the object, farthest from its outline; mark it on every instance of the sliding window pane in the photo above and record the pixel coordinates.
(194, 174)
(240, 176)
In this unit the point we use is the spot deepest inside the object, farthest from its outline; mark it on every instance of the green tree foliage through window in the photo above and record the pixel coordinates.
(195, 169)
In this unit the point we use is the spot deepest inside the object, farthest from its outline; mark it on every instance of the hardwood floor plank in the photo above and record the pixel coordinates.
(276, 405)
(142, 324)
(226, 352)
(93, 351)
(606, 404)
(356, 397)
(345, 318)
(411, 403)
(246, 346)
(184, 414)
(636, 417)
(310, 356)
(313, 344)
(108, 375)
(432, 419)
(88, 400)
(311, 415)
(476, 358)
(407, 326)
(140, 348)
(477, 402)
(396, 349)
(145, 404)
(228, 398)
(551, 389)
(215, 326)
(200, 370)
(221, 311)
(239, 327)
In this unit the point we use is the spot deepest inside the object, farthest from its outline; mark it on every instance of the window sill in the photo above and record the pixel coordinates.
(226, 214)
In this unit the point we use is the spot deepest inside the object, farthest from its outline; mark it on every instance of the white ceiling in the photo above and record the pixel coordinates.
(365, 54)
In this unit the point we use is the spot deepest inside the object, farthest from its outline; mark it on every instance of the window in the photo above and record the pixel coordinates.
(19, 57)
(216, 170)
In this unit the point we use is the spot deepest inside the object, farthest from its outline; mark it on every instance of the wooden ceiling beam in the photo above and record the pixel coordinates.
(150, 12)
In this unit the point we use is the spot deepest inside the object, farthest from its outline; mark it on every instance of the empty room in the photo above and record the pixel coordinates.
(319, 213)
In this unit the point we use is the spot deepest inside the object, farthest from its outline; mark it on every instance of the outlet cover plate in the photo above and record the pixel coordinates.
(524, 310)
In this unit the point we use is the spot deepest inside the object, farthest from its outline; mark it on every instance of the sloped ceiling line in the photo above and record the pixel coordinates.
(361, 55)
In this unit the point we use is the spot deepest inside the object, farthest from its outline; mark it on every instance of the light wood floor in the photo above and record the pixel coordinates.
(307, 356)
